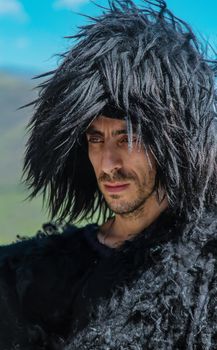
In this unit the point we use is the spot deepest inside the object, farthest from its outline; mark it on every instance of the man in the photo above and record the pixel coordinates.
(126, 178)
(124, 131)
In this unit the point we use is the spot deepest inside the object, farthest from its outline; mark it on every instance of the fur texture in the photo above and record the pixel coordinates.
(171, 305)
(156, 292)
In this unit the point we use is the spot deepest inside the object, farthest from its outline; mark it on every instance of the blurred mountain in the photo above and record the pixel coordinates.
(16, 215)
(20, 72)
(14, 93)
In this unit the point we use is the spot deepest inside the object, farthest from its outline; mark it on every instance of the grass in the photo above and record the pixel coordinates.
(18, 216)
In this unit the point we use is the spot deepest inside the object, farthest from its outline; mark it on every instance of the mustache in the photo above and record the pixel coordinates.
(119, 175)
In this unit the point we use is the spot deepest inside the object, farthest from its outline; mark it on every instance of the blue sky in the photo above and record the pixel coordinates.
(32, 31)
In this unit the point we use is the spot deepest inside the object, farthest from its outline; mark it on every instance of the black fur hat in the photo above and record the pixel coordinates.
(138, 63)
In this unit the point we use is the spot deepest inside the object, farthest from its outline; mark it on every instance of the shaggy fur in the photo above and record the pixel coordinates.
(157, 292)
(171, 305)
(145, 66)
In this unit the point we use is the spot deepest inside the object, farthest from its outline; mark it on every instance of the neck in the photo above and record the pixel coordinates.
(122, 227)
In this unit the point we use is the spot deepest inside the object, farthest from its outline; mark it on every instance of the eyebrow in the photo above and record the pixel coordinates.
(93, 131)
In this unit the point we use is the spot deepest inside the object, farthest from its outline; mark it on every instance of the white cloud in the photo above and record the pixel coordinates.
(12, 8)
(69, 4)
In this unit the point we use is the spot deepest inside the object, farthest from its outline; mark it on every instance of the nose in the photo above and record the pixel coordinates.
(111, 159)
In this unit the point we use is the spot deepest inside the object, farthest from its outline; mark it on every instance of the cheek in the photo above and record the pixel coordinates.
(144, 163)
(94, 161)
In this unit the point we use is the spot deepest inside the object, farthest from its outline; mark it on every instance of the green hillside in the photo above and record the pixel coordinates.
(17, 216)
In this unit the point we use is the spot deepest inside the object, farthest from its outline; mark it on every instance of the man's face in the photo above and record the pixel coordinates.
(125, 176)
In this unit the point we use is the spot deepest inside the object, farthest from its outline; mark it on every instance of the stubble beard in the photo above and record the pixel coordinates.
(138, 194)
(129, 208)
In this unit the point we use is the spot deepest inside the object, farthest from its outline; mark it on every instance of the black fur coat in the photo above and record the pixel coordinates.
(68, 291)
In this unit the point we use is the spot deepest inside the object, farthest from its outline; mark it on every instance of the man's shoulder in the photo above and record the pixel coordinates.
(50, 239)
(203, 235)
(36, 275)
(208, 234)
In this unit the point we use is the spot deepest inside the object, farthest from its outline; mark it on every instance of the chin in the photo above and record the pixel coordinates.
(121, 207)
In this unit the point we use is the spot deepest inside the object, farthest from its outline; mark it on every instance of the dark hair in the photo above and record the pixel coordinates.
(147, 65)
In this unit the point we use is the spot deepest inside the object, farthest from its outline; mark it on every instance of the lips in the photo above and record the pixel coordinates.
(114, 188)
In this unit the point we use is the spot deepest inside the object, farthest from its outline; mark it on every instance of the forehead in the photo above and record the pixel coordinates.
(103, 122)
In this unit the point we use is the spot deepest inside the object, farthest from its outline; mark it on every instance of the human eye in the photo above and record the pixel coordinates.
(95, 139)
(126, 139)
